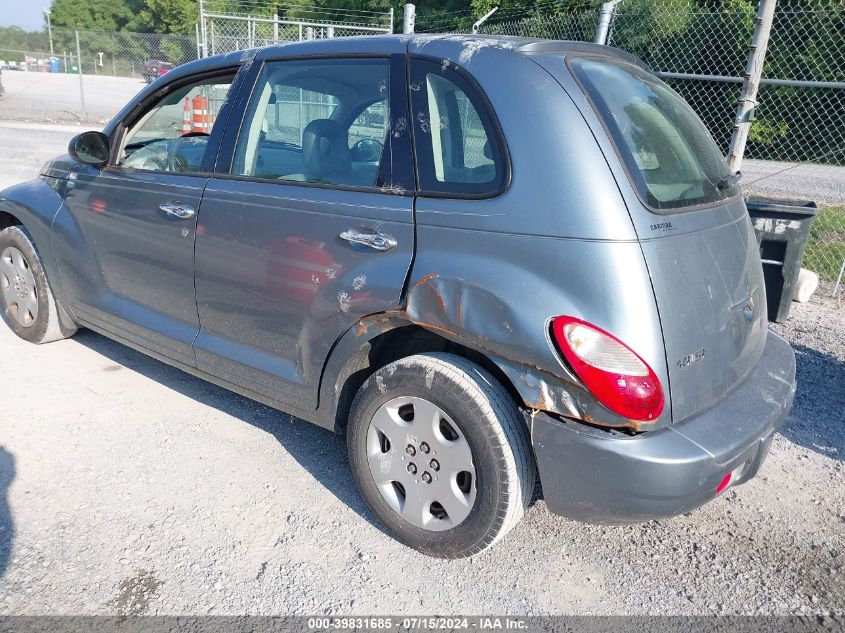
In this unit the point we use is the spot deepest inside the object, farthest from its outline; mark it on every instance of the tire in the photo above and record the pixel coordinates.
(482, 488)
(23, 283)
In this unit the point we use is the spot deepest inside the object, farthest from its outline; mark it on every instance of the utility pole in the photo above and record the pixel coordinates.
(751, 81)
(47, 13)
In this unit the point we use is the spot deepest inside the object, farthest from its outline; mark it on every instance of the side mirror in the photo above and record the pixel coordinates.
(90, 148)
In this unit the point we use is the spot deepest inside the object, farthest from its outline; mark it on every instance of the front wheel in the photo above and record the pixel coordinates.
(25, 296)
(440, 452)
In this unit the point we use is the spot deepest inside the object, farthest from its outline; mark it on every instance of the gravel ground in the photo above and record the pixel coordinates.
(55, 98)
(25, 147)
(129, 487)
(132, 487)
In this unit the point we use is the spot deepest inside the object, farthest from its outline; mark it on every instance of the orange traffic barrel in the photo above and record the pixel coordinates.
(201, 114)
(187, 118)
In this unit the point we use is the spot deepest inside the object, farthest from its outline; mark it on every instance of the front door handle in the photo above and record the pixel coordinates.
(375, 240)
(177, 211)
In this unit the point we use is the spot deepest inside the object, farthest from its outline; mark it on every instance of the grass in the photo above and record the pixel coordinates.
(826, 247)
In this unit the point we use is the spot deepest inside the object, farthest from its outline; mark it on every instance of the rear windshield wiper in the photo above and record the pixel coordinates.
(729, 181)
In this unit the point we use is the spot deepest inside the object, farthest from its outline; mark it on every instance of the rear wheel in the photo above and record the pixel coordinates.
(441, 454)
(26, 300)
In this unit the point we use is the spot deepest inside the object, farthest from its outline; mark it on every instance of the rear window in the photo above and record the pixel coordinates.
(669, 155)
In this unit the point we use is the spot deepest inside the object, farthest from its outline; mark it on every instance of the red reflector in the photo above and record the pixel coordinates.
(726, 480)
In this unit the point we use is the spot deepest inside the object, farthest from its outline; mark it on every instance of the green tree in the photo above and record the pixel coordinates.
(99, 15)
(166, 16)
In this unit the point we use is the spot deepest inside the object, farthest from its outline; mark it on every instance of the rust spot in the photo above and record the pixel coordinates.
(425, 279)
(439, 298)
(460, 309)
(436, 328)
(376, 319)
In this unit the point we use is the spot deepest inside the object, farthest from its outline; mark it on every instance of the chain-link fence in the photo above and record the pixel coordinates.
(119, 54)
(225, 32)
(700, 48)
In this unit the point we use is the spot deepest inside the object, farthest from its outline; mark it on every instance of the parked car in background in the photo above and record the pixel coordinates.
(479, 258)
(155, 68)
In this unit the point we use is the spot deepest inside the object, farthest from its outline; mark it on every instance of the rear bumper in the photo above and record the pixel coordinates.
(600, 477)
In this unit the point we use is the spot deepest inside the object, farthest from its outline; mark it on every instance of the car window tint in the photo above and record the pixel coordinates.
(173, 134)
(318, 121)
(456, 148)
(669, 154)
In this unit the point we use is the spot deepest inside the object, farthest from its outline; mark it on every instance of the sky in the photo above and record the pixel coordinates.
(26, 15)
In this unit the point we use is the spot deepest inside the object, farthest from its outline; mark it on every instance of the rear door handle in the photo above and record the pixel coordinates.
(177, 211)
(375, 240)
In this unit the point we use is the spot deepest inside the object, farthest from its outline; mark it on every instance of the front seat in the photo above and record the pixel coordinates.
(325, 152)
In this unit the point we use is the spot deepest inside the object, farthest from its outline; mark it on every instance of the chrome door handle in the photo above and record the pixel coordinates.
(177, 211)
(375, 240)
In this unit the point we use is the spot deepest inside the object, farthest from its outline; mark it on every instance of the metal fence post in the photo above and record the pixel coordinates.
(605, 20)
(409, 17)
(203, 31)
(483, 19)
(199, 49)
(275, 28)
(391, 20)
(751, 81)
(79, 69)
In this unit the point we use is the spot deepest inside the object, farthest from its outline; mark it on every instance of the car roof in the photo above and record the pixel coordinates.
(378, 44)
(522, 45)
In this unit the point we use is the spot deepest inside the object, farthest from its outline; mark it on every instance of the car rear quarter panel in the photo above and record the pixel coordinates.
(491, 273)
(704, 266)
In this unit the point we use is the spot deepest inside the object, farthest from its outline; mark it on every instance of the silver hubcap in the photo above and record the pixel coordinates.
(421, 463)
(17, 284)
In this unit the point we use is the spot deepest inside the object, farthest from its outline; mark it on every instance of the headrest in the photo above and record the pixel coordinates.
(325, 149)
(488, 151)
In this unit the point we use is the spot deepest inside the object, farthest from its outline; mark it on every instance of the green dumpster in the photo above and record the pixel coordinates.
(782, 228)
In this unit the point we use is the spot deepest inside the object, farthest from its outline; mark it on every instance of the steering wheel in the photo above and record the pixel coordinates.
(175, 161)
(367, 150)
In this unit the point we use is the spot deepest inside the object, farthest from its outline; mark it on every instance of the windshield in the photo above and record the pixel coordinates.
(669, 155)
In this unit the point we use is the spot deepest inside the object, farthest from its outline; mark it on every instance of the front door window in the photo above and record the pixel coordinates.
(173, 134)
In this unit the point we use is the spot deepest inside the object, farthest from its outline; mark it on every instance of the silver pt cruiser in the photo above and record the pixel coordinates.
(481, 259)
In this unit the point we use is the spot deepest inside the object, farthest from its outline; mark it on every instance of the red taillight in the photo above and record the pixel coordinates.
(615, 375)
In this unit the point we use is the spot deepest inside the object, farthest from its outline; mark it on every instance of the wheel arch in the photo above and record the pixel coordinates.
(33, 205)
(378, 340)
(7, 219)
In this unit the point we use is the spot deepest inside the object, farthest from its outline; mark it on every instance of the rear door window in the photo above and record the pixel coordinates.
(457, 149)
(669, 155)
(319, 121)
